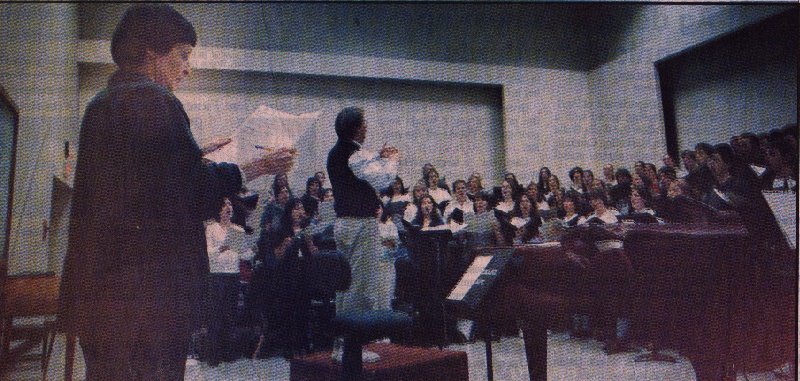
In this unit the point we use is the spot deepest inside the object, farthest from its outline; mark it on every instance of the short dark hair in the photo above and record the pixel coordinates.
(622, 172)
(727, 155)
(348, 121)
(312, 180)
(705, 147)
(598, 195)
(573, 170)
(158, 27)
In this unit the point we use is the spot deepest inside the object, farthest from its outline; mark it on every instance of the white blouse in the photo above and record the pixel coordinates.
(439, 195)
(226, 261)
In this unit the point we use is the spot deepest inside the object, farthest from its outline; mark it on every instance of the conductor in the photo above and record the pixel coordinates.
(355, 175)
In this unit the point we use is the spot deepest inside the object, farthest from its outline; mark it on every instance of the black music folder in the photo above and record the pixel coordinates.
(471, 294)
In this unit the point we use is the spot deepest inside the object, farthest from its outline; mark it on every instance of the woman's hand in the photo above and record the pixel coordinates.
(272, 163)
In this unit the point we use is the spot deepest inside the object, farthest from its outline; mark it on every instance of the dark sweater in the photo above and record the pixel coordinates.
(353, 197)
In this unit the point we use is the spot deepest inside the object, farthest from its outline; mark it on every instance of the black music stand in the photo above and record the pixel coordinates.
(470, 297)
(421, 242)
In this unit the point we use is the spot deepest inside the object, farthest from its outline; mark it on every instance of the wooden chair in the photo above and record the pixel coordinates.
(29, 295)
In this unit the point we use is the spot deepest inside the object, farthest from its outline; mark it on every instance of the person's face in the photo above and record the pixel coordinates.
(509, 177)
(283, 195)
(553, 183)
(717, 166)
(637, 180)
(321, 177)
(533, 193)
(663, 178)
(544, 173)
(636, 200)
(700, 155)
(598, 205)
(426, 168)
(577, 177)
(419, 192)
(569, 206)
(505, 189)
(226, 212)
(461, 190)
(667, 160)
(426, 205)
(608, 172)
(650, 172)
(361, 133)
(525, 205)
(433, 179)
(674, 189)
(773, 157)
(328, 195)
(298, 213)
(588, 178)
(473, 184)
(397, 187)
(688, 162)
(172, 67)
(481, 205)
(597, 184)
(313, 188)
(281, 179)
(638, 167)
(741, 146)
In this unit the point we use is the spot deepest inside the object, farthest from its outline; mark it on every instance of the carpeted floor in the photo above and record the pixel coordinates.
(568, 359)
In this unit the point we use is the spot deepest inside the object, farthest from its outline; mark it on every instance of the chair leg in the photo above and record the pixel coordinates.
(69, 357)
(5, 344)
(48, 353)
(258, 347)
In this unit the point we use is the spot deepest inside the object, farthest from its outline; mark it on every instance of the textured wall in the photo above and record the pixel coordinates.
(627, 119)
(37, 68)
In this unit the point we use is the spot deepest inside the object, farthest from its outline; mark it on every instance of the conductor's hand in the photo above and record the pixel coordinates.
(390, 152)
(273, 163)
(215, 144)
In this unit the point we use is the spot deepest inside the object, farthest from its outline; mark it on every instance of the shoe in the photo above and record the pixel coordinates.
(369, 357)
(336, 353)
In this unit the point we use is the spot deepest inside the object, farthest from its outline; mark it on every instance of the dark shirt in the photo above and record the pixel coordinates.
(353, 197)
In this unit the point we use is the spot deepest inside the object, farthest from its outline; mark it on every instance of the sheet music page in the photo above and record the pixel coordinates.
(784, 208)
(472, 274)
(264, 130)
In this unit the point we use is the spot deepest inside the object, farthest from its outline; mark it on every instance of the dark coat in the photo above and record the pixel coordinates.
(353, 197)
(136, 257)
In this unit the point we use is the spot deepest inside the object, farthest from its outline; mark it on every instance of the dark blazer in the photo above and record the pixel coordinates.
(136, 256)
(353, 197)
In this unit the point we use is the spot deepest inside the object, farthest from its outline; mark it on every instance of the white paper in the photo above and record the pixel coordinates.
(264, 130)
(784, 207)
(518, 222)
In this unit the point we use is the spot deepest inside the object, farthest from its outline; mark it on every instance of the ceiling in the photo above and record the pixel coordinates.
(573, 36)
